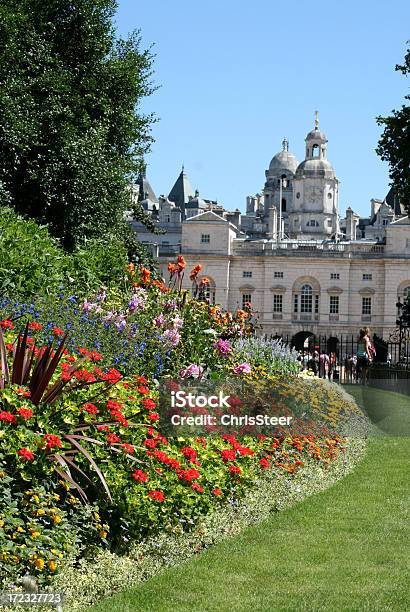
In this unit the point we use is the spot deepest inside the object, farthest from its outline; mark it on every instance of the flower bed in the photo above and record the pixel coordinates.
(84, 466)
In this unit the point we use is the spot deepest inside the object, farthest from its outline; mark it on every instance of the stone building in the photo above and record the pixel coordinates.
(303, 268)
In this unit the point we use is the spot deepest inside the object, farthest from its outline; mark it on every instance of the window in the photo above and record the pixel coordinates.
(306, 299)
(277, 302)
(295, 304)
(312, 223)
(278, 274)
(334, 276)
(329, 195)
(367, 276)
(316, 304)
(334, 304)
(247, 274)
(366, 306)
(246, 299)
(284, 204)
(205, 238)
(315, 151)
(168, 220)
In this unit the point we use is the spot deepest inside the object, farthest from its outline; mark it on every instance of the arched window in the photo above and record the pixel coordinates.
(315, 151)
(306, 299)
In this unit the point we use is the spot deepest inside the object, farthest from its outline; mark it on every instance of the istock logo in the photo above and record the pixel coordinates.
(181, 399)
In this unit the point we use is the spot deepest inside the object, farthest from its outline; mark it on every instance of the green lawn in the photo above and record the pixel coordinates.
(347, 548)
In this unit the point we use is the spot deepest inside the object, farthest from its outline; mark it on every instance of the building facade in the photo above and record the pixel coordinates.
(303, 267)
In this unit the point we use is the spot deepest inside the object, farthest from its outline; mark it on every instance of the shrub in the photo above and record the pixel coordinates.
(269, 355)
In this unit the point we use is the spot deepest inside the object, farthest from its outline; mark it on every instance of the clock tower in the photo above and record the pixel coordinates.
(315, 204)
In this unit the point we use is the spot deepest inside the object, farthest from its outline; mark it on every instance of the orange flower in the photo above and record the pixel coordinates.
(181, 263)
(145, 275)
(131, 268)
(161, 286)
(172, 268)
(241, 314)
(195, 272)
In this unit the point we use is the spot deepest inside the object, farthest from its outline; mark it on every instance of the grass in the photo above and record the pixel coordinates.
(346, 548)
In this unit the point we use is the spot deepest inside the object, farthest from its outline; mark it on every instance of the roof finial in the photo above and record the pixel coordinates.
(183, 167)
(285, 144)
(316, 120)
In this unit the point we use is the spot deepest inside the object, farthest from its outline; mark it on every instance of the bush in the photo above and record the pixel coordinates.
(269, 355)
(32, 263)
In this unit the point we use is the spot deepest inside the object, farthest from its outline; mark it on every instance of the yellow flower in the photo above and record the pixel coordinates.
(20, 529)
(56, 496)
(1, 523)
(41, 512)
(39, 563)
(103, 534)
(34, 534)
(52, 565)
(36, 499)
(56, 519)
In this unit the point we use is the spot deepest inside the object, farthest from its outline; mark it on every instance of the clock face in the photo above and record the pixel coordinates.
(313, 195)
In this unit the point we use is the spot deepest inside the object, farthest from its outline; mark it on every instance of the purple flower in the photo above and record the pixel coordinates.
(102, 296)
(120, 322)
(172, 337)
(170, 305)
(242, 368)
(159, 320)
(138, 300)
(109, 316)
(223, 346)
(177, 322)
(88, 306)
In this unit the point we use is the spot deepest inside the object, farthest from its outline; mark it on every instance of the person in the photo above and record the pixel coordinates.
(365, 353)
(313, 363)
(324, 365)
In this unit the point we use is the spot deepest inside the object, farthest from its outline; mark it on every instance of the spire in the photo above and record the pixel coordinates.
(285, 144)
(316, 120)
(181, 191)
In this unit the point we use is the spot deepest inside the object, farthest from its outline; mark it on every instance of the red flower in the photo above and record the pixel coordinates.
(103, 428)
(189, 453)
(143, 389)
(84, 375)
(90, 408)
(149, 404)
(234, 469)
(112, 438)
(94, 356)
(7, 417)
(26, 454)
(23, 392)
(141, 380)
(264, 463)
(57, 331)
(197, 487)
(111, 405)
(26, 413)
(9, 346)
(153, 416)
(243, 450)
(112, 376)
(6, 324)
(84, 351)
(228, 454)
(128, 448)
(189, 475)
(51, 441)
(150, 443)
(217, 492)
(140, 476)
(35, 326)
(157, 495)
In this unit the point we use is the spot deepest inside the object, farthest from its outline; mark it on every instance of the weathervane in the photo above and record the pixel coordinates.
(316, 120)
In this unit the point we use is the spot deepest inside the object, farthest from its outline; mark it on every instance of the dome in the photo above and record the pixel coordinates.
(315, 168)
(316, 134)
(283, 161)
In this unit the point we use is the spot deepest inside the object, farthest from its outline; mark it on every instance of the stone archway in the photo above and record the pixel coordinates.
(302, 341)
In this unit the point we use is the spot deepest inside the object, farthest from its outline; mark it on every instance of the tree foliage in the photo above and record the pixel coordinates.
(71, 132)
(394, 144)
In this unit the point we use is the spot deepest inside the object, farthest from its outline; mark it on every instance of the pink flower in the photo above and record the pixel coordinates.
(242, 368)
(223, 347)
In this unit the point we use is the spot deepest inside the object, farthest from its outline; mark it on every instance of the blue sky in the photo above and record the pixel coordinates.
(236, 77)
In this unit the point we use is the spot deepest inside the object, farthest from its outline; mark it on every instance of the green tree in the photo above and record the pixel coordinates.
(394, 144)
(72, 135)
